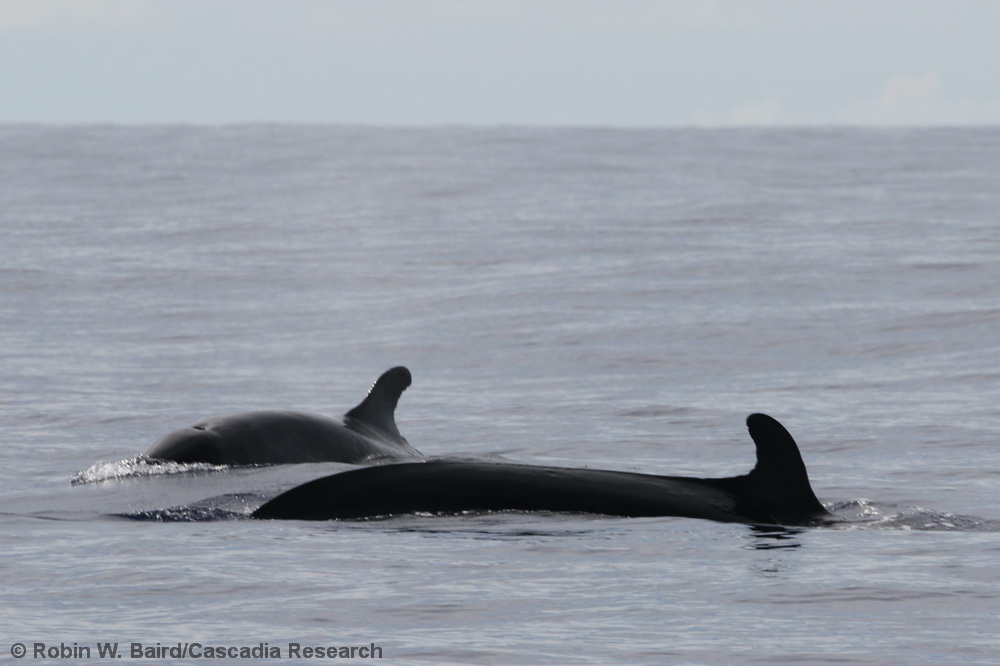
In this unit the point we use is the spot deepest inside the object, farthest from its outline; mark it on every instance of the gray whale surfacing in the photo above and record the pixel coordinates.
(368, 432)
(775, 492)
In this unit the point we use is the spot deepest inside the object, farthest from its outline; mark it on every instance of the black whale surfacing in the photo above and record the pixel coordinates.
(775, 492)
(368, 432)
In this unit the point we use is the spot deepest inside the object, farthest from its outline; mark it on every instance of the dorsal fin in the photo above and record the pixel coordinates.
(780, 477)
(377, 411)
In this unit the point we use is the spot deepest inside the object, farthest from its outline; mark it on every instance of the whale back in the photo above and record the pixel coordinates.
(376, 415)
(368, 433)
(776, 491)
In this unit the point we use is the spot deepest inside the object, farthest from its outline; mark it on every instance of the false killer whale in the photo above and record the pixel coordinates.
(775, 492)
(368, 432)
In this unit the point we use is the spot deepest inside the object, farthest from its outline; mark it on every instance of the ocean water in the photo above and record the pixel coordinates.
(613, 299)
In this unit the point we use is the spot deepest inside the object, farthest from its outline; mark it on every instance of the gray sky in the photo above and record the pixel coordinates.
(620, 63)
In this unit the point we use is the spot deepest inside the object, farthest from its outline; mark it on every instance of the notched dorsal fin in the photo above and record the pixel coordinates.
(378, 409)
(780, 476)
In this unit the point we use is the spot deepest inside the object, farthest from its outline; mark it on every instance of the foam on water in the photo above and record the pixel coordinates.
(138, 467)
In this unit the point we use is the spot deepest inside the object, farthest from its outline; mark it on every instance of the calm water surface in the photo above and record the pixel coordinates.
(616, 299)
